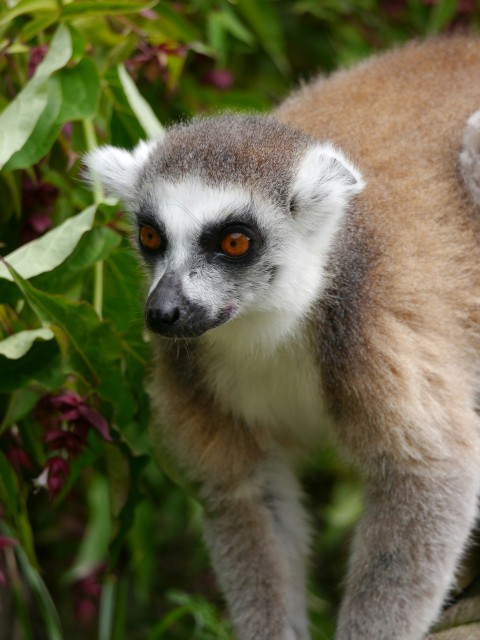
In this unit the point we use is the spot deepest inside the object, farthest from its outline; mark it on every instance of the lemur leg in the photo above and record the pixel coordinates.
(259, 544)
(408, 544)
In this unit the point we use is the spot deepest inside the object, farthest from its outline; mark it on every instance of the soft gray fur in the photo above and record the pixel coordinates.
(355, 307)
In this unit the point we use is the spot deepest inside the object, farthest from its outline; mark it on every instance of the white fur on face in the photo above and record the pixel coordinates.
(188, 206)
(297, 244)
(298, 251)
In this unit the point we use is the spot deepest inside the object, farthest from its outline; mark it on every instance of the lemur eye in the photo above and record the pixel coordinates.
(235, 244)
(150, 238)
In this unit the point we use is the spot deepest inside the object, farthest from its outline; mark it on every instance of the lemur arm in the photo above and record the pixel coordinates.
(255, 525)
(259, 542)
(422, 456)
(406, 549)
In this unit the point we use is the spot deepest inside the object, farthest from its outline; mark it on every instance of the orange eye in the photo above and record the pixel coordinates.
(236, 244)
(150, 238)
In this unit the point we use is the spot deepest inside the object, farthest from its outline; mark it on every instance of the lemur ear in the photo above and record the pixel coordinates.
(116, 169)
(325, 182)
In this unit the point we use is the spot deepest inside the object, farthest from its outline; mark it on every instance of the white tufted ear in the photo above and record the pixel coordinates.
(324, 184)
(116, 169)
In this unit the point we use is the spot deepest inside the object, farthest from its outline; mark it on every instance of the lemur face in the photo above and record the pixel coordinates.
(213, 253)
(234, 216)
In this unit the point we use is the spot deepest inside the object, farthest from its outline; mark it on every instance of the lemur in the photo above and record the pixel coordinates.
(319, 268)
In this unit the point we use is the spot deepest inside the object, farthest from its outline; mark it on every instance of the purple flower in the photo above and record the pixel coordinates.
(19, 459)
(38, 199)
(153, 59)
(218, 78)
(71, 441)
(87, 594)
(72, 408)
(37, 54)
(58, 471)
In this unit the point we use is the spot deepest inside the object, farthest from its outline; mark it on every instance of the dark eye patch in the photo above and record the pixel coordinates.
(214, 234)
(145, 219)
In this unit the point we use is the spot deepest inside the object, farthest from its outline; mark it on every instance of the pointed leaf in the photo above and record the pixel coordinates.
(93, 417)
(93, 7)
(80, 91)
(139, 105)
(51, 249)
(264, 20)
(95, 244)
(90, 346)
(18, 120)
(73, 94)
(28, 6)
(41, 364)
(17, 345)
(45, 133)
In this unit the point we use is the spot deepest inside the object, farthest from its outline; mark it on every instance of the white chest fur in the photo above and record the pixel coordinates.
(276, 389)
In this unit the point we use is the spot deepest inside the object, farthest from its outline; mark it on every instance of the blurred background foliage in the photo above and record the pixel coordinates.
(95, 541)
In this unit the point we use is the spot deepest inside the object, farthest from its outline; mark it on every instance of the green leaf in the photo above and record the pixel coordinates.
(107, 608)
(28, 6)
(91, 348)
(20, 403)
(139, 105)
(80, 91)
(136, 465)
(45, 133)
(442, 13)
(94, 545)
(222, 22)
(234, 26)
(73, 94)
(9, 489)
(174, 26)
(47, 606)
(38, 25)
(19, 119)
(264, 20)
(124, 294)
(12, 500)
(95, 245)
(16, 346)
(92, 8)
(41, 364)
(125, 129)
(49, 251)
(75, 325)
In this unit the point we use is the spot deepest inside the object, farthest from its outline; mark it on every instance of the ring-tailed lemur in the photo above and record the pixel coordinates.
(291, 287)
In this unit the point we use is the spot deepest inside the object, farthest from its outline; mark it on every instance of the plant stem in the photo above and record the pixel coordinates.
(107, 609)
(91, 143)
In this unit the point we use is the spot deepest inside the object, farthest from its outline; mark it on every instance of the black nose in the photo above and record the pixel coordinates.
(166, 316)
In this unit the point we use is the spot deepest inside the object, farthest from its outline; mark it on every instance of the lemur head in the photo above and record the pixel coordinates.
(234, 216)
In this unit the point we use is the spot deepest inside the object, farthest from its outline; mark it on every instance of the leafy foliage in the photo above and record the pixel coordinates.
(95, 541)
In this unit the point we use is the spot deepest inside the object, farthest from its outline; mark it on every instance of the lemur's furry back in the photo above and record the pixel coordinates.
(321, 267)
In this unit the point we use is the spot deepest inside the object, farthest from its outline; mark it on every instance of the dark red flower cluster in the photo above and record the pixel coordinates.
(87, 594)
(15, 452)
(218, 78)
(67, 419)
(37, 54)
(38, 199)
(153, 59)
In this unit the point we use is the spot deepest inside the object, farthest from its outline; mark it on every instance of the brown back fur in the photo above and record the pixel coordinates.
(414, 232)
